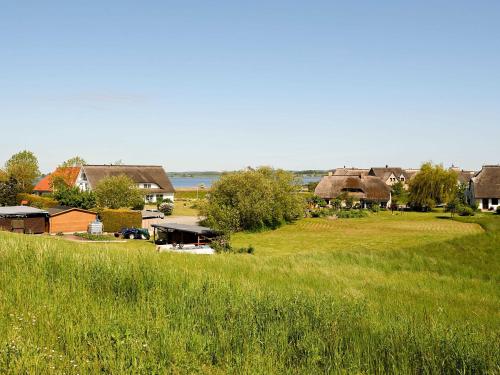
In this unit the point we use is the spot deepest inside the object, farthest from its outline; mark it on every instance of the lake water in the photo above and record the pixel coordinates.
(207, 181)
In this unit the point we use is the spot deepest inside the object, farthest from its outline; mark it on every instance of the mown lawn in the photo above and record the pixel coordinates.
(409, 293)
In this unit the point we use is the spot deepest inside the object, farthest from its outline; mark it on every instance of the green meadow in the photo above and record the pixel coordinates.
(408, 293)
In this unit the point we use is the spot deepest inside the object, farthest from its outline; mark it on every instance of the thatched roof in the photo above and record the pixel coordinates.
(487, 182)
(138, 173)
(350, 172)
(465, 176)
(364, 187)
(385, 172)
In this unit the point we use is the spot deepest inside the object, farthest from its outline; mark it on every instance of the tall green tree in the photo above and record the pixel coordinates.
(8, 192)
(75, 161)
(3, 175)
(23, 167)
(254, 199)
(431, 186)
(399, 195)
(118, 192)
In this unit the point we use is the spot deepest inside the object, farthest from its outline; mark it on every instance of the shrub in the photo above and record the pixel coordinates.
(74, 197)
(336, 203)
(349, 214)
(465, 211)
(114, 220)
(316, 201)
(166, 207)
(94, 237)
(138, 204)
(374, 207)
(37, 201)
(498, 210)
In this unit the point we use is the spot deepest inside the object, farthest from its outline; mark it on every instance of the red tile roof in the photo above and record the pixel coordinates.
(70, 174)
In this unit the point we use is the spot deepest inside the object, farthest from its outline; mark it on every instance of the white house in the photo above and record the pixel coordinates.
(484, 188)
(390, 175)
(152, 179)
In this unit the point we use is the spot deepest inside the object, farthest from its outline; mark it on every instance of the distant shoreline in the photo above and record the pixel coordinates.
(191, 183)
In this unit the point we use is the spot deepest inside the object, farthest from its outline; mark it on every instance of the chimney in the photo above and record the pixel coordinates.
(386, 166)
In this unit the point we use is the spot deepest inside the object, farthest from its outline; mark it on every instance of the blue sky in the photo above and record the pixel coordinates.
(218, 85)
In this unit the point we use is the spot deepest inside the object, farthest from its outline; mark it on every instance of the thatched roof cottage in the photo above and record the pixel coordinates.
(362, 188)
(484, 187)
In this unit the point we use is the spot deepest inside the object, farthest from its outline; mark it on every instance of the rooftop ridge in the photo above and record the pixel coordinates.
(122, 165)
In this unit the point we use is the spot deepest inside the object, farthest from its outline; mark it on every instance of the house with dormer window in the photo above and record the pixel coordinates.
(151, 179)
(390, 175)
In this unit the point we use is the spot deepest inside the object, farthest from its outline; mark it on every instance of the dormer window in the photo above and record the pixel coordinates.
(147, 186)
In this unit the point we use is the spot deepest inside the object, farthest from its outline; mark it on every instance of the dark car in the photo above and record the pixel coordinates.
(133, 233)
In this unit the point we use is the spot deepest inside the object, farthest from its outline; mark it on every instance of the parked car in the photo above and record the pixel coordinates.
(133, 233)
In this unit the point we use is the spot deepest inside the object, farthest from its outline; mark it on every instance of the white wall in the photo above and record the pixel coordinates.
(490, 204)
(153, 200)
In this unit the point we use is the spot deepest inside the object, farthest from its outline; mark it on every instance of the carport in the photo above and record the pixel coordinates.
(173, 233)
(24, 219)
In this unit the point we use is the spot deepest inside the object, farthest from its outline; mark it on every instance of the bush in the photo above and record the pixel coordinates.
(74, 197)
(94, 237)
(166, 207)
(114, 220)
(465, 211)
(316, 201)
(350, 214)
(138, 204)
(37, 201)
(498, 210)
(374, 207)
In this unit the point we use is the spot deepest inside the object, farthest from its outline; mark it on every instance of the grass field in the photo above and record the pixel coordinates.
(410, 293)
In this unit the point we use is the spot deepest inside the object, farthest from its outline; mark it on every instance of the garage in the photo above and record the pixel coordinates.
(69, 219)
(23, 219)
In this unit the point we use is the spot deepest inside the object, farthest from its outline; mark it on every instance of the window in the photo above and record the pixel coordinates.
(149, 197)
(147, 186)
(494, 201)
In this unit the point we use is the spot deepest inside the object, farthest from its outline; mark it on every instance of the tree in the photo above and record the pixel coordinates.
(431, 186)
(75, 161)
(74, 197)
(117, 192)
(3, 175)
(399, 195)
(253, 199)
(8, 192)
(23, 167)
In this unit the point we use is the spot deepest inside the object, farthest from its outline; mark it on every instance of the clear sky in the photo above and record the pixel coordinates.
(218, 85)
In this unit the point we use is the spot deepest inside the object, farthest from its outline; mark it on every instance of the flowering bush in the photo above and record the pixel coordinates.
(166, 208)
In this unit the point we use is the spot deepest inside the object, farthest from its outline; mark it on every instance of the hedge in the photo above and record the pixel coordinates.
(114, 220)
(36, 200)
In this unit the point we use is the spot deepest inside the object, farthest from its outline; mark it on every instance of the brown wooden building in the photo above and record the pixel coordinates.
(69, 219)
(24, 219)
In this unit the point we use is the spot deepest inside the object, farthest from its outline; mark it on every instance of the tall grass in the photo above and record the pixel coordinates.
(73, 308)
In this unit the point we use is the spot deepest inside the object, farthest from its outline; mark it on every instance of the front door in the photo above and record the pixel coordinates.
(486, 203)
